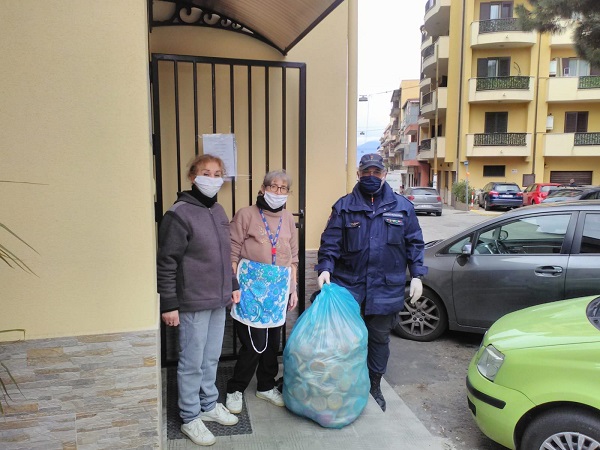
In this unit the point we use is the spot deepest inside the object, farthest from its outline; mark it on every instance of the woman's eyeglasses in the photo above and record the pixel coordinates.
(281, 189)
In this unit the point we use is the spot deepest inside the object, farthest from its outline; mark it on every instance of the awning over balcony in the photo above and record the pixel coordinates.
(281, 24)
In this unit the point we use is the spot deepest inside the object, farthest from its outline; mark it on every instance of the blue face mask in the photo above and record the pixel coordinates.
(370, 184)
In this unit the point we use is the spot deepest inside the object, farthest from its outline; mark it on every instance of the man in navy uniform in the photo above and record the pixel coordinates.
(371, 238)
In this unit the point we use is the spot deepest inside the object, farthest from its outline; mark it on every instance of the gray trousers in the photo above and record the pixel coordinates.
(200, 343)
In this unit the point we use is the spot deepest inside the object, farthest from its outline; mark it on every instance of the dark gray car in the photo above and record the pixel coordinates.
(536, 254)
(425, 200)
(569, 194)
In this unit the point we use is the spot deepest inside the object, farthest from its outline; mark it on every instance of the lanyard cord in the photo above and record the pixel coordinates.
(273, 240)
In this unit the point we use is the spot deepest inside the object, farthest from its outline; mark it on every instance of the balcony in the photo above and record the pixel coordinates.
(426, 43)
(573, 89)
(504, 33)
(429, 147)
(437, 17)
(571, 144)
(499, 144)
(432, 100)
(515, 89)
(423, 122)
(436, 54)
(425, 84)
(564, 39)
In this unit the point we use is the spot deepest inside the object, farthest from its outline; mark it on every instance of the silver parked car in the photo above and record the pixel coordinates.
(525, 257)
(425, 199)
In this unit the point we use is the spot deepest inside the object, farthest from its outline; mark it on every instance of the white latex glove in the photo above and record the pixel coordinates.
(323, 279)
(416, 290)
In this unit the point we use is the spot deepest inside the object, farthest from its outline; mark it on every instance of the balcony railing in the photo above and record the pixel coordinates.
(589, 82)
(499, 25)
(587, 139)
(427, 98)
(428, 51)
(425, 145)
(499, 83)
(500, 139)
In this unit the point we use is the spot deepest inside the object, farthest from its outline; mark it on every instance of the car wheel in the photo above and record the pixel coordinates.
(425, 321)
(486, 205)
(438, 213)
(565, 428)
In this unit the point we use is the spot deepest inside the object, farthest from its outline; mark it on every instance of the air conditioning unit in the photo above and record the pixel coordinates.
(552, 70)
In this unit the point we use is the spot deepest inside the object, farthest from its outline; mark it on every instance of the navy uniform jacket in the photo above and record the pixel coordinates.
(367, 248)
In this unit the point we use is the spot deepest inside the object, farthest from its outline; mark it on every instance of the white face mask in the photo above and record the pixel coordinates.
(209, 186)
(275, 201)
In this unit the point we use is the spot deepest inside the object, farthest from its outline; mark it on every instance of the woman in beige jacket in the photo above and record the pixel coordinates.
(266, 233)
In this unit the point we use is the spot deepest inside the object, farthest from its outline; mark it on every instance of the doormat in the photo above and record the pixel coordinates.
(224, 372)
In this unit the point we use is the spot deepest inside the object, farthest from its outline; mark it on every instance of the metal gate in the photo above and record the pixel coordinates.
(263, 103)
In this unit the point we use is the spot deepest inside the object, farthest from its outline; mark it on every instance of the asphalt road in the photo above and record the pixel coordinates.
(430, 376)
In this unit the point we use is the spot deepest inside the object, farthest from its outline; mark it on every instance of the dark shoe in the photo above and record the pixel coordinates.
(376, 389)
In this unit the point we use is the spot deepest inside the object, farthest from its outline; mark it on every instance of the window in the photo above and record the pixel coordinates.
(495, 10)
(494, 171)
(496, 122)
(493, 67)
(576, 122)
(529, 235)
(575, 67)
(590, 240)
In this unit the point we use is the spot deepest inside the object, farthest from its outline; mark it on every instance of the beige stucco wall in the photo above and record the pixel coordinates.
(326, 50)
(75, 118)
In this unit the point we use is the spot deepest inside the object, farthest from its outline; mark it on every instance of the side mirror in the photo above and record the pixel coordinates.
(467, 249)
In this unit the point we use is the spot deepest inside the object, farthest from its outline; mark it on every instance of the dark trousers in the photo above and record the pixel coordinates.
(249, 361)
(379, 328)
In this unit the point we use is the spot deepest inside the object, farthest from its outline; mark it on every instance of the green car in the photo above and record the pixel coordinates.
(534, 384)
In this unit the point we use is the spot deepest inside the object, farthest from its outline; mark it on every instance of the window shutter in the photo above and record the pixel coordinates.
(502, 123)
(507, 10)
(570, 122)
(582, 122)
(484, 11)
(503, 67)
(482, 66)
(490, 122)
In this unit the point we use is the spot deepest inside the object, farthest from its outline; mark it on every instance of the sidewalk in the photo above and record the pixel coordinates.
(277, 428)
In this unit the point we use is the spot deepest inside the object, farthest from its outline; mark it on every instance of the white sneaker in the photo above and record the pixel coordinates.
(198, 433)
(273, 396)
(219, 414)
(234, 402)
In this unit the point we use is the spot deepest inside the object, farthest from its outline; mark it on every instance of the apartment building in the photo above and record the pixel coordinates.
(500, 103)
(399, 142)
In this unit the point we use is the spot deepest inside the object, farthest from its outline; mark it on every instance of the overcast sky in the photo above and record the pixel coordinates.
(389, 51)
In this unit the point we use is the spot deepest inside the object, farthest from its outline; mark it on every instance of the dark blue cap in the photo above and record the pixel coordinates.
(371, 160)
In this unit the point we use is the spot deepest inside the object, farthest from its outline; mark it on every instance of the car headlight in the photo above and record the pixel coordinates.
(490, 362)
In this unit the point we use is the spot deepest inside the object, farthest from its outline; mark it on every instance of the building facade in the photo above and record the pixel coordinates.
(500, 103)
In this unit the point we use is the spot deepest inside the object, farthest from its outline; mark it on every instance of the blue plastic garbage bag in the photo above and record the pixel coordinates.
(325, 375)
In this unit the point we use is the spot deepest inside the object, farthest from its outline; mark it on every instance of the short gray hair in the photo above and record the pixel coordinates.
(274, 174)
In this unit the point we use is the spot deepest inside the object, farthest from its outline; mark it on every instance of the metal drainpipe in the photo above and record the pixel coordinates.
(537, 100)
(460, 89)
(436, 124)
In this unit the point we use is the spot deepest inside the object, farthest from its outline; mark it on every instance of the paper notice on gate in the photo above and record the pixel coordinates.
(223, 146)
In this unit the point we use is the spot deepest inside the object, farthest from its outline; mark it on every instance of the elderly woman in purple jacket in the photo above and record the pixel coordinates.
(196, 284)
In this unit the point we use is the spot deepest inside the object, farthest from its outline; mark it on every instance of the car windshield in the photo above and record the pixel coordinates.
(566, 193)
(507, 188)
(424, 192)
(593, 312)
